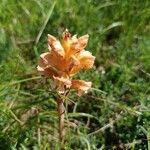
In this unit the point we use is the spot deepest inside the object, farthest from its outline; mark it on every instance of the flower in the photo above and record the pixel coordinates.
(65, 59)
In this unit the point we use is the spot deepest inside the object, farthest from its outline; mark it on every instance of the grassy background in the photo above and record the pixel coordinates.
(115, 114)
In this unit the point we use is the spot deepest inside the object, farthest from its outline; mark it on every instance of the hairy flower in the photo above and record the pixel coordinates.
(64, 59)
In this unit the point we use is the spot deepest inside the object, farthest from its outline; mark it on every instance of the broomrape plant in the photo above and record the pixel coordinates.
(64, 59)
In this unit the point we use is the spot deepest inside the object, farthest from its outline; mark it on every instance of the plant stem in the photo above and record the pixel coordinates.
(61, 114)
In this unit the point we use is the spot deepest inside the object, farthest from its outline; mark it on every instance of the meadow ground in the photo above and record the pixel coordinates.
(115, 114)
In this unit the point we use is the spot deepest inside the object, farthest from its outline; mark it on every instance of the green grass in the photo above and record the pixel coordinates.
(115, 114)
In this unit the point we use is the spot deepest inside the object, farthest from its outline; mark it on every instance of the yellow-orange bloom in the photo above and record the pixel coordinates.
(64, 59)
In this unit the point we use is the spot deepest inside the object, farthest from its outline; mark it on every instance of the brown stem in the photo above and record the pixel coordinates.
(61, 114)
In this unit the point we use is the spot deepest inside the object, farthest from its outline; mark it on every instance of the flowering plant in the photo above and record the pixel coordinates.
(64, 59)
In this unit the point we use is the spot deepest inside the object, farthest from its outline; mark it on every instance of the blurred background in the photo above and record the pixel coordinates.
(115, 114)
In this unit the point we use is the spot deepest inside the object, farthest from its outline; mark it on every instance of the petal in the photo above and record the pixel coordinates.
(61, 84)
(86, 61)
(45, 66)
(55, 45)
(74, 38)
(73, 61)
(66, 43)
(40, 69)
(48, 72)
(81, 86)
(45, 58)
(54, 60)
(63, 80)
(79, 44)
(74, 70)
(41, 65)
(83, 40)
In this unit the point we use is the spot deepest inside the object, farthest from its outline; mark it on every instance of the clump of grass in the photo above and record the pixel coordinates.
(115, 114)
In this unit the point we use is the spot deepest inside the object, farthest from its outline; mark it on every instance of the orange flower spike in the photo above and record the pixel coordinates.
(64, 60)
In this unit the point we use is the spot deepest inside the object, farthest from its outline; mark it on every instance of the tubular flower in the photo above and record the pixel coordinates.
(64, 59)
